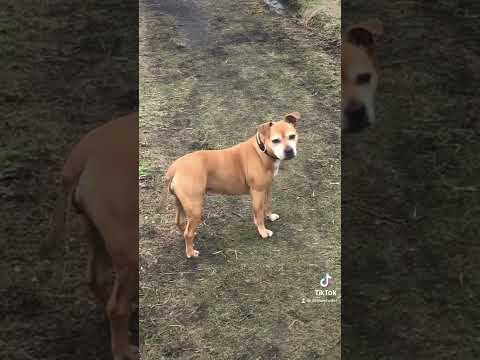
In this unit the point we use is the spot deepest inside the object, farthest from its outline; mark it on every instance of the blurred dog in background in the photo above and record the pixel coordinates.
(359, 75)
(100, 178)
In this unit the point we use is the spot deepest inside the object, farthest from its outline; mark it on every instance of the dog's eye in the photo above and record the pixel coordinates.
(276, 141)
(360, 37)
(364, 78)
(291, 137)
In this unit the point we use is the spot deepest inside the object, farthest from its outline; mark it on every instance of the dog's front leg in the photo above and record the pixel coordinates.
(268, 205)
(258, 205)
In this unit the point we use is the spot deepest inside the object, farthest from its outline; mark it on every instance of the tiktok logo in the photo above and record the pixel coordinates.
(325, 280)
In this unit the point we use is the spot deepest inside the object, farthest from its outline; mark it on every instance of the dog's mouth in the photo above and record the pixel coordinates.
(288, 153)
(356, 119)
(289, 156)
(355, 128)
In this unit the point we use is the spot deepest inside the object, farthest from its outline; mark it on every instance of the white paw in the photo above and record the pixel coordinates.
(266, 234)
(195, 254)
(273, 217)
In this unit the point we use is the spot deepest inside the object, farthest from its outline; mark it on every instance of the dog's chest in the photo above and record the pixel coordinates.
(276, 167)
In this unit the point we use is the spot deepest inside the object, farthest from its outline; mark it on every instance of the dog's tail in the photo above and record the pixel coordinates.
(57, 233)
(167, 181)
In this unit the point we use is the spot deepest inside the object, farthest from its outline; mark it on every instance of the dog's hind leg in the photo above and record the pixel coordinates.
(189, 234)
(191, 197)
(193, 209)
(98, 269)
(180, 218)
(125, 263)
(118, 311)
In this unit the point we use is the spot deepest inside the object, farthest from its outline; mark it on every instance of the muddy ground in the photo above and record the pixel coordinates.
(210, 71)
(60, 79)
(411, 190)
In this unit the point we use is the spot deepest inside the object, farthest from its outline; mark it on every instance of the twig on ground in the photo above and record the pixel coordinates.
(381, 216)
(181, 272)
(471, 188)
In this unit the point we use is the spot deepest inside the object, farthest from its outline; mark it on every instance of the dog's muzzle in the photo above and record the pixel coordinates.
(356, 117)
(289, 153)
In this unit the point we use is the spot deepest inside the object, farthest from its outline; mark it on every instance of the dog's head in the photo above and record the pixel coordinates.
(359, 75)
(280, 137)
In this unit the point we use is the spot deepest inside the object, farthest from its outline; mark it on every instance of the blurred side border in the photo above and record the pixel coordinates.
(67, 67)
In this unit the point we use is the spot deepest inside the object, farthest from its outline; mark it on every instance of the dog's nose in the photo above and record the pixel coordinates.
(289, 152)
(357, 118)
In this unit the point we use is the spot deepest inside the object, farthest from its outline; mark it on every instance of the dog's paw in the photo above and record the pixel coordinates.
(195, 253)
(134, 353)
(130, 354)
(273, 217)
(266, 233)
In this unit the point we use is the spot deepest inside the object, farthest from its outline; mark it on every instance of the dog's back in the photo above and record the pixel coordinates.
(107, 152)
(109, 178)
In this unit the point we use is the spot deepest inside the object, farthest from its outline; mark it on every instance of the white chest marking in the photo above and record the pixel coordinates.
(276, 166)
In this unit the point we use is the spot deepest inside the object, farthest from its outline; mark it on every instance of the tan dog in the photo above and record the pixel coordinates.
(359, 75)
(246, 168)
(100, 177)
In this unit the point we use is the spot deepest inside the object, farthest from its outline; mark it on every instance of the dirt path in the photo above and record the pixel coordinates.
(209, 73)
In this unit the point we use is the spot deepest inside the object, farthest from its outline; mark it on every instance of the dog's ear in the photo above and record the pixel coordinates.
(264, 129)
(293, 118)
(362, 34)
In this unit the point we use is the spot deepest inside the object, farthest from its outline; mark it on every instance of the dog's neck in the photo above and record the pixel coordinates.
(263, 148)
(269, 160)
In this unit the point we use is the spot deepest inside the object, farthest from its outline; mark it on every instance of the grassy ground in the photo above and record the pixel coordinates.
(323, 15)
(209, 73)
(410, 187)
(59, 80)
